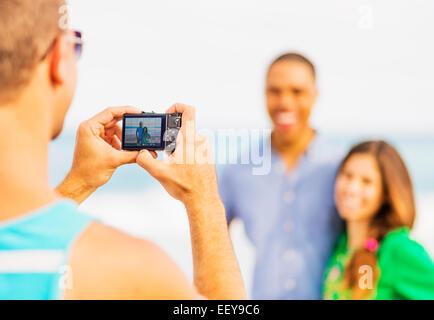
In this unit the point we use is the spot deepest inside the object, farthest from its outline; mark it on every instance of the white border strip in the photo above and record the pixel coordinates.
(31, 261)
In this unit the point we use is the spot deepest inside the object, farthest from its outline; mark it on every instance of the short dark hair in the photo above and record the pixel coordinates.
(294, 56)
(26, 29)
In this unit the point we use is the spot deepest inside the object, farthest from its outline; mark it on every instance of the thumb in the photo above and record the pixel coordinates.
(126, 157)
(148, 162)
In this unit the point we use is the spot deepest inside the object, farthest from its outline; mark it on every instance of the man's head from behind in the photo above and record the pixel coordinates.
(37, 59)
(290, 95)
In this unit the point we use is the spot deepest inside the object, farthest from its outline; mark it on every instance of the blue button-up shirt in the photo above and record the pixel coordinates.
(290, 218)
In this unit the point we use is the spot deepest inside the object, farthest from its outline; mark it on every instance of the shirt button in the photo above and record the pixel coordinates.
(289, 196)
(287, 226)
(279, 168)
(290, 255)
(290, 285)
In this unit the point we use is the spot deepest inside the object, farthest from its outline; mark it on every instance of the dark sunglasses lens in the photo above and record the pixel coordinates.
(78, 50)
(78, 46)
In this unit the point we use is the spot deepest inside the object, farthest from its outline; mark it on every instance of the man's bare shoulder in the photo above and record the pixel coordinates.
(107, 263)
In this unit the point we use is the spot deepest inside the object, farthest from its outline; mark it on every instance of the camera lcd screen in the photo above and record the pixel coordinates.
(144, 132)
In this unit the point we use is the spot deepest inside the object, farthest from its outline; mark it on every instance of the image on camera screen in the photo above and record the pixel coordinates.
(143, 132)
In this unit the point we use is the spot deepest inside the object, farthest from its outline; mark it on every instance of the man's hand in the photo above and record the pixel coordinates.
(139, 269)
(97, 154)
(189, 173)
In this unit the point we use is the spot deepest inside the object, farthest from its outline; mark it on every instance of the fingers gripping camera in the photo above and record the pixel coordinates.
(151, 131)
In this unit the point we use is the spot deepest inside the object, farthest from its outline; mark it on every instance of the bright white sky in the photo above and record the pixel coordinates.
(375, 59)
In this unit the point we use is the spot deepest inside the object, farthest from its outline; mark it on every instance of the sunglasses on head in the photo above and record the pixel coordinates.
(76, 37)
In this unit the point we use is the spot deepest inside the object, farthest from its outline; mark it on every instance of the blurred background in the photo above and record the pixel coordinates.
(375, 70)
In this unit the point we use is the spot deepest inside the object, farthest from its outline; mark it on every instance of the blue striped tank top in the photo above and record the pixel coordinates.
(34, 251)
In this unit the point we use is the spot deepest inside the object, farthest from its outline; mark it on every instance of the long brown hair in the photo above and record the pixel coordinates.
(397, 210)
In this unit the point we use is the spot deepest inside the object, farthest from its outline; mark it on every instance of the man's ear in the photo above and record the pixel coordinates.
(60, 56)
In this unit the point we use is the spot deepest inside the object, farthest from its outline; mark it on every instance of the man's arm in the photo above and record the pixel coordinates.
(75, 188)
(216, 270)
(189, 175)
(97, 154)
(109, 264)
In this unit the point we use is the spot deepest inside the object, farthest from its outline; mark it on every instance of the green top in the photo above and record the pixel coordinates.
(146, 137)
(406, 270)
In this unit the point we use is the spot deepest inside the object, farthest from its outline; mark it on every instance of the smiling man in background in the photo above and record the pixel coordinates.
(288, 214)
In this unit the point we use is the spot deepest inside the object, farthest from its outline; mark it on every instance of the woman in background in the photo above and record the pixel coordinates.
(146, 136)
(375, 258)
